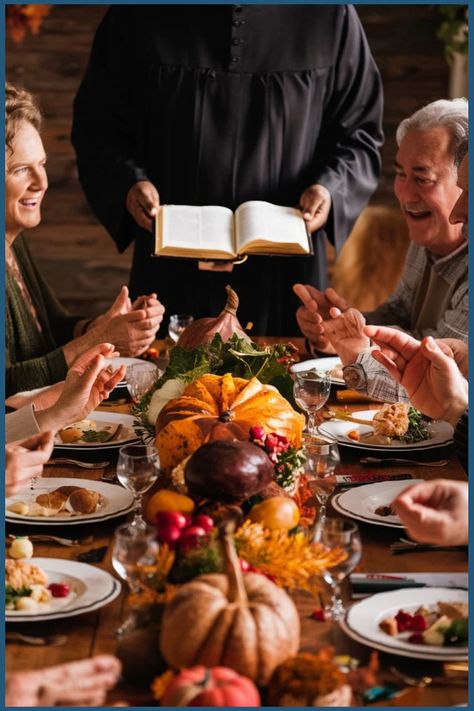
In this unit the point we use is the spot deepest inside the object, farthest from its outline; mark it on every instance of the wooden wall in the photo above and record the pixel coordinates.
(71, 248)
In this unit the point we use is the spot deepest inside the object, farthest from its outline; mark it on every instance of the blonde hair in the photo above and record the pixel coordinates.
(20, 106)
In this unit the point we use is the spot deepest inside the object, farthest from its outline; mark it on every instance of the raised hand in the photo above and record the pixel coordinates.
(345, 332)
(431, 378)
(24, 460)
(143, 203)
(314, 310)
(435, 511)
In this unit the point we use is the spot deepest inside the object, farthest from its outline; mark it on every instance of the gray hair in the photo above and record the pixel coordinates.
(453, 115)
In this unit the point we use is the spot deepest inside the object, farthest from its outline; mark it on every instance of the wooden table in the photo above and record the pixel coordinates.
(94, 633)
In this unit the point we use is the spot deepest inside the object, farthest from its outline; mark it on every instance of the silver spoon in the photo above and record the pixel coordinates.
(77, 463)
(53, 640)
(411, 462)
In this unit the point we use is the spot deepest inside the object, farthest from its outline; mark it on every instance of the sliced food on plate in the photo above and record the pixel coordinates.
(28, 588)
(442, 624)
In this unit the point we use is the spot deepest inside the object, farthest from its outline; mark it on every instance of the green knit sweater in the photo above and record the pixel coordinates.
(34, 358)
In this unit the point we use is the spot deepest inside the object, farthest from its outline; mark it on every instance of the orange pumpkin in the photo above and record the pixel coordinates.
(222, 407)
(218, 686)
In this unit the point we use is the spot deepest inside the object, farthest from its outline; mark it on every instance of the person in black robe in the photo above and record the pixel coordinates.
(219, 104)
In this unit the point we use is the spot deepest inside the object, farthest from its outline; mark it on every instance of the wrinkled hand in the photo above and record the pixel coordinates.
(314, 310)
(24, 460)
(89, 381)
(315, 203)
(143, 203)
(431, 378)
(82, 683)
(435, 512)
(131, 328)
(345, 332)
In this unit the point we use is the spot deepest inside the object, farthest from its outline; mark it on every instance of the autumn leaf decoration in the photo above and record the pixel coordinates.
(21, 19)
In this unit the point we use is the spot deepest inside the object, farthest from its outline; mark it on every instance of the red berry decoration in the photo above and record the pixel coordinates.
(59, 589)
(171, 518)
(417, 624)
(204, 522)
(318, 614)
(168, 534)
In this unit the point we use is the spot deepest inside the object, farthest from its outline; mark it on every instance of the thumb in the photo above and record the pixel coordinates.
(121, 304)
(433, 352)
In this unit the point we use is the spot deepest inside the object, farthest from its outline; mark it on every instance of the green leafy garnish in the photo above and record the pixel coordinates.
(457, 632)
(417, 431)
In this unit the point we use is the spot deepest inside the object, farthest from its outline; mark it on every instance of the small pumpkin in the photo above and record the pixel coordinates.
(244, 622)
(222, 407)
(219, 686)
(167, 500)
(202, 331)
(276, 513)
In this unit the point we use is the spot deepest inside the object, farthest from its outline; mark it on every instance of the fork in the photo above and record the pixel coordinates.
(72, 542)
(77, 463)
(403, 545)
(423, 681)
(412, 462)
(52, 640)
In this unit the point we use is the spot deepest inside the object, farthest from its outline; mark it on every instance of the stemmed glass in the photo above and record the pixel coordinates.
(178, 323)
(140, 378)
(318, 480)
(133, 549)
(138, 467)
(340, 533)
(311, 390)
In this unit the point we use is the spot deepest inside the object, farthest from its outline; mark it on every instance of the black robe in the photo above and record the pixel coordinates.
(222, 104)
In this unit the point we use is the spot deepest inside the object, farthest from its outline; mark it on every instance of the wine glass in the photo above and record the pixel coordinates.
(140, 378)
(318, 477)
(311, 390)
(138, 467)
(340, 533)
(133, 548)
(178, 323)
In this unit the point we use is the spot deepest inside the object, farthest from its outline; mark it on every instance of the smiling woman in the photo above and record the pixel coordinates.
(42, 339)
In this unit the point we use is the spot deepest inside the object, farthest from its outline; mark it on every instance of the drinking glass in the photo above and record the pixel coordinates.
(340, 533)
(317, 481)
(140, 378)
(133, 549)
(138, 467)
(178, 323)
(311, 390)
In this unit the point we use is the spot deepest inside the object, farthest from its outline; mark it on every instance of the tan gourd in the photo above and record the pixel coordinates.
(241, 621)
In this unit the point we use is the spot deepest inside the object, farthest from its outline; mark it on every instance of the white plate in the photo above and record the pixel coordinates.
(362, 621)
(91, 588)
(127, 433)
(117, 502)
(360, 502)
(321, 364)
(442, 434)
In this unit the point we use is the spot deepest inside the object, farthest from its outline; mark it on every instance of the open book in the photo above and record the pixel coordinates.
(213, 232)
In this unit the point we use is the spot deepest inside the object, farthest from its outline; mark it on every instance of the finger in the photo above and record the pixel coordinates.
(39, 442)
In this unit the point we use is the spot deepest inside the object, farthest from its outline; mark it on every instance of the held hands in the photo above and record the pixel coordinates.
(24, 460)
(314, 310)
(315, 203)
(87, 384)
(435, 512)
(130, 327)
(143, 203)
(431, 378)
(345, 332)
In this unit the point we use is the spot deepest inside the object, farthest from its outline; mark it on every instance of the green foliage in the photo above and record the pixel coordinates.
(457, 632)
(12, 594)
(287, 466)
(453, 31)
(95, 436)
(417, 430)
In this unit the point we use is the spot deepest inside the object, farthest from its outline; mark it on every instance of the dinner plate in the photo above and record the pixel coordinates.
(362, 620)
(104, 419)
(361, 502)
(321, 364)
(117, 501)
(441, 431)
(91, 588)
